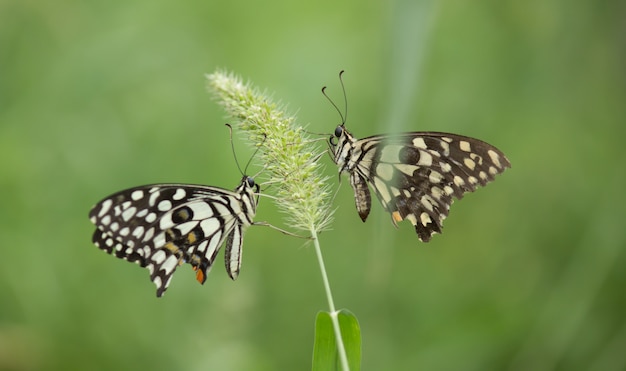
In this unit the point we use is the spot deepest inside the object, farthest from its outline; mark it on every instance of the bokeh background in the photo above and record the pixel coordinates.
(529, 274)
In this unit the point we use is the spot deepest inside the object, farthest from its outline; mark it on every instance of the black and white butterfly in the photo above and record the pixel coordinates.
(162, 226)
(415, 175)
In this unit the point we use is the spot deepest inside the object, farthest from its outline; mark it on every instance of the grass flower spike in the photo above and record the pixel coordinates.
(285, 151)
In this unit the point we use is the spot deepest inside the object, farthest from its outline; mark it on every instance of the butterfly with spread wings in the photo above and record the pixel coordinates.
(162, 226)
(415, 175)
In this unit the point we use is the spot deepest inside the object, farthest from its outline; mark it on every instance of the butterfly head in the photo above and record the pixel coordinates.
(334, 138)
(249, 185)
(341, 145)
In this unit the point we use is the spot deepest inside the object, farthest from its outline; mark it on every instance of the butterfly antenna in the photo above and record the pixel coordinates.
(345, 97)
(343, 120)
(232, 147)
(255, 152)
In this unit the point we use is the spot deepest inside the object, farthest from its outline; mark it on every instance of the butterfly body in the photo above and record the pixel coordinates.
(163, 226)
(415, 175)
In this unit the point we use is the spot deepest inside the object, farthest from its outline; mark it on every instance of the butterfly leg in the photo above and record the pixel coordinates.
(266, 224)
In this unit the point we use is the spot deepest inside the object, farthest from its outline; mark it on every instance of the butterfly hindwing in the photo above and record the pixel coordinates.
(162, 226)
(415, 175)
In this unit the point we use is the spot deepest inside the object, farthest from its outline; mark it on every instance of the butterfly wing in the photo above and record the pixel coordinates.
(162, 226)
(416, 175)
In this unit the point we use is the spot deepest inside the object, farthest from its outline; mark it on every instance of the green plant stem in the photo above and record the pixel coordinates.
(331, 303)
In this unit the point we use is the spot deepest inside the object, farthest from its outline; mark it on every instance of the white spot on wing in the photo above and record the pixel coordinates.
(495, 157)
(129, 213)
(425, 159)
(150, 218)
(202, 247)
(159, 257)
(435, 177)
(446, 148)
(117, 210)
(419, 143)
(159, 240)
(157, 279)
(149, 234)
(170, 264)
(138, 232)
(180, 194)
(465, 146)
(166, 221)
(436, 191)
(396, 192)
(106, 220)
(445, 167)
(425, 219)
(106, 205)
(136, 195)
(476, 157)
(153, 197)
(425, 201)
(469, 163)
(164, 205)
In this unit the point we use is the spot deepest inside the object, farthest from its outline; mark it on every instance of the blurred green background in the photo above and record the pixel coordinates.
(529, 274)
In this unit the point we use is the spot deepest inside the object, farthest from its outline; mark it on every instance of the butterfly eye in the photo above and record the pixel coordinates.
(338, 131)
(250, 181)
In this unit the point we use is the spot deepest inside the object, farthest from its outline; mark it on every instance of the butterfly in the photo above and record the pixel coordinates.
(162, 226)
(415, 175)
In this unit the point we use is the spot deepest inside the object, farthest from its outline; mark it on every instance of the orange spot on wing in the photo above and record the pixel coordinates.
(199, 275)
(396, 216)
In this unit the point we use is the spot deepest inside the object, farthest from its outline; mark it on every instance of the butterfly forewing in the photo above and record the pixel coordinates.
(162, 226)
(415, 175)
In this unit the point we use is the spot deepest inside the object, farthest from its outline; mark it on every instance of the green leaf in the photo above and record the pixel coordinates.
(325, 353)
